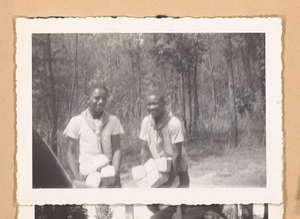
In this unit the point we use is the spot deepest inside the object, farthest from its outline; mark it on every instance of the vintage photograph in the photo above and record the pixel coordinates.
(145, 109)
(186, 105)
(101, 211)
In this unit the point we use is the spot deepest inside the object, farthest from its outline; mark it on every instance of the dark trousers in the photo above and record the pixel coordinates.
(184, 182)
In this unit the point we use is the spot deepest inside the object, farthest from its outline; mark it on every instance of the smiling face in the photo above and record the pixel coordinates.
(155, 105)
(97, 101)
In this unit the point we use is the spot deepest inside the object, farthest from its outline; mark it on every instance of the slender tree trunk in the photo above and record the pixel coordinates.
(50, 93)
(190, 100)
(74, 79)
(238, 69)
(211, 69)
(247, 69)
(133, 72)
(77, 100)
(183, 100)
(233, 115)
(139, 108)
(196, 102)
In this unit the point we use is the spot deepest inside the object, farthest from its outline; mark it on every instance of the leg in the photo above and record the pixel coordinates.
(184, 179)
(117, 182)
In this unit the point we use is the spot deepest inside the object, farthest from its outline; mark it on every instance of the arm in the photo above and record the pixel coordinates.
(117, 156)
(177, 148)
(145, 153)
(73, 157)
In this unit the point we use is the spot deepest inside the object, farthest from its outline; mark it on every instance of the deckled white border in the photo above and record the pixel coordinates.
(27, 212)
(272, 194)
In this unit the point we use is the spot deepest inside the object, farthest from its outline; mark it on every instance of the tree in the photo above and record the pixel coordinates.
(211, 70)
(103, 212)
(50, 92)
(231, 93)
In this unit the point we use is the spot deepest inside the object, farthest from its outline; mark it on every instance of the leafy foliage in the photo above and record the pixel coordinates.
(208, 79)
(103, 212)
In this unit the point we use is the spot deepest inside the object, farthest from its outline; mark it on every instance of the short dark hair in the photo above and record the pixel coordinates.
(93, 86)
(158, 93)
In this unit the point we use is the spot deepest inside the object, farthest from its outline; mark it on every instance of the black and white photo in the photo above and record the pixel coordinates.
(149, 106)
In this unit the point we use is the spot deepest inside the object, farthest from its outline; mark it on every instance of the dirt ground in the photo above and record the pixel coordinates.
(218, 167)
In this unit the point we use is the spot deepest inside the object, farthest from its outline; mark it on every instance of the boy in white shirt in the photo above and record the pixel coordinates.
(96, 133)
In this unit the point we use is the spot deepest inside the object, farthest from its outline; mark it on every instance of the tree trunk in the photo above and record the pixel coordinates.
(233, 115)
(238, 69)
(211, 69)
(50, 93)
(183, 100)
(190, 100)
(247, 69)
(74, 80)
(139, 108)
(196, 102)
(133, 97)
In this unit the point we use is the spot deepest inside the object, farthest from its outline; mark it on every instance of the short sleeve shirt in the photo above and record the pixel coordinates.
(172, 133)
(88, 141)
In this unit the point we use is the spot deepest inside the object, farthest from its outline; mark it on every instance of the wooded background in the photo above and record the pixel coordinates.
(214, 83)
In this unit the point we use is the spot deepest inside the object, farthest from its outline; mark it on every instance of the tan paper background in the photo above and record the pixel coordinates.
(288, 10)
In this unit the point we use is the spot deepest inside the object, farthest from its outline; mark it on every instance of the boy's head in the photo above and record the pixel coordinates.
(97, 97)
(156, 103)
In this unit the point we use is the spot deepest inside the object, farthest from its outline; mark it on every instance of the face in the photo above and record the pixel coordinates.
(155, 106)
(97, 100)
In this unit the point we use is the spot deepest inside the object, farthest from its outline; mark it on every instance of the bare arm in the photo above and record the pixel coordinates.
(117, 156)
(177, 148)
(73, 157)
(145, 153)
